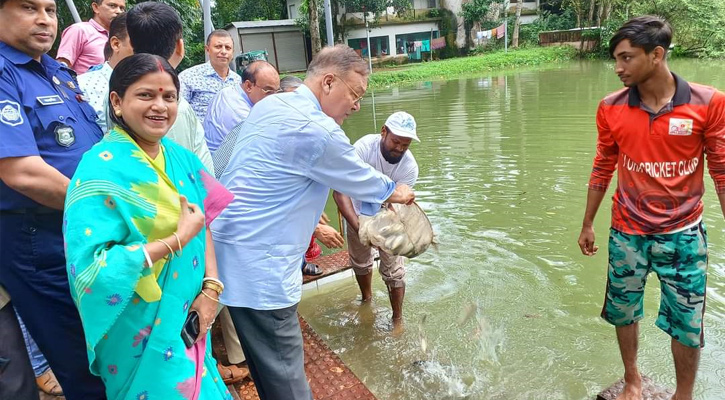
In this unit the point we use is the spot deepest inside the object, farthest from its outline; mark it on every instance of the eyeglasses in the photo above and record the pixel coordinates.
(358, 98)
(269, 91)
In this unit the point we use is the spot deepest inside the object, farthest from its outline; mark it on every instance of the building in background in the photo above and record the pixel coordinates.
(283, 40)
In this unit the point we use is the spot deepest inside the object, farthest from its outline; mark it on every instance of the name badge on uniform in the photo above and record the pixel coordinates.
(64, 135)
(49, 100)
(10, 113)
(680, 127)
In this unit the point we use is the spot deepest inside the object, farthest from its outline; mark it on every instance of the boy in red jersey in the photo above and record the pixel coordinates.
(655, 132)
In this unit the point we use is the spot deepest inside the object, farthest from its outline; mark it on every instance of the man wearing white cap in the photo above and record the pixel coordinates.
(388, 153)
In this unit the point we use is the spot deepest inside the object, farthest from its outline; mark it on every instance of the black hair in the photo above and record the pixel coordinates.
(118, 27)
(217, 32)
(107, 51)
(130, 70)
(646, 32)
(154, 28)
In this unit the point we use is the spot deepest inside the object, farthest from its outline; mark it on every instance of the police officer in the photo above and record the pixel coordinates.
(46, 127)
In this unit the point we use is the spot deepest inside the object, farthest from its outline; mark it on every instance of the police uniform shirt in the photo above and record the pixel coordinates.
(42, 113)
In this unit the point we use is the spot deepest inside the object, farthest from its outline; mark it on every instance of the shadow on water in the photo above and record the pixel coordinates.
(504, 161)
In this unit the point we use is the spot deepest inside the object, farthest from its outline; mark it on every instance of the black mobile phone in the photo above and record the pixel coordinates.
(191, 329)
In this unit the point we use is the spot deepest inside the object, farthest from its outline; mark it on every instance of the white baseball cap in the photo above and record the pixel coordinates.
(402, 124)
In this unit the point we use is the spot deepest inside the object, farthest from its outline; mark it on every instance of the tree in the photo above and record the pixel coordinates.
(225, 12)
(473, 13)
(517, 25)
(698, 25)
(314, 26)
(475, 10)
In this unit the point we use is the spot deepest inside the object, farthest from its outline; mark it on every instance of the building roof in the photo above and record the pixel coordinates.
(261, 24)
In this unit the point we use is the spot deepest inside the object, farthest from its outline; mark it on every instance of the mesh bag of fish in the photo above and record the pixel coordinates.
(401, 230)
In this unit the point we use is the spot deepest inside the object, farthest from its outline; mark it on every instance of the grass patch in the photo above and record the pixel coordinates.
(457, 67)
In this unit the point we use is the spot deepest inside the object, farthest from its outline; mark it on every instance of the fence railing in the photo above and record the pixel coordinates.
(568, 36)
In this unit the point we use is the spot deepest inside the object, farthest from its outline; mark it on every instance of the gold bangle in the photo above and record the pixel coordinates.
(171, 251)
(179, 242)
(214, 280)
(214, 287)
(209, 297)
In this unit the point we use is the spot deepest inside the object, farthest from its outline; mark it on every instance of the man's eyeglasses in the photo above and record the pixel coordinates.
(358, 98)
(269, 91)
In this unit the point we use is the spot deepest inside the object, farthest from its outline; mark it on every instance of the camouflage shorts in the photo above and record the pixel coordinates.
(680, 262)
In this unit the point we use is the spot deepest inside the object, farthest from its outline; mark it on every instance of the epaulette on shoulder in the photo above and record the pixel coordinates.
(73, 74)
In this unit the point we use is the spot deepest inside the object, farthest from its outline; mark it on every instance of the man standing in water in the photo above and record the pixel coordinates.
(387, 153)
(655, 132)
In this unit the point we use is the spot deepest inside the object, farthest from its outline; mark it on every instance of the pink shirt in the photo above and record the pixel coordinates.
(82, 44)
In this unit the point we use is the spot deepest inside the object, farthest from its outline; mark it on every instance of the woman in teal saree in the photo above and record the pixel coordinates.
(139, 256)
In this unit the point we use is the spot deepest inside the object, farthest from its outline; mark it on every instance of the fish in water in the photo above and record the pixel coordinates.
(468, 311)
(421, 332)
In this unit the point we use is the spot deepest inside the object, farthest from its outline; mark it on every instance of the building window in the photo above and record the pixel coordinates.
(432, 4)
(292, 12)
(379, 45)
(412, 44)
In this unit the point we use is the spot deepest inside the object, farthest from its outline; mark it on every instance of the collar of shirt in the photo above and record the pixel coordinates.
(306, 92)
(682, 93)
(208, 70)
(245, 97)
(106, 68)
(17, 57)
(98, 26)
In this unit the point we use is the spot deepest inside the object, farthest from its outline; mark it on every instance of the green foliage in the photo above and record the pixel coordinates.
(448, 28)
(699, 25)
(461, 67)
(189, 10)
(401, 7)
(372, 6)
(225, 12)
(475, 11)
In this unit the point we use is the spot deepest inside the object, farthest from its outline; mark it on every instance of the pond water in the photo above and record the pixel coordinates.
(504, 162)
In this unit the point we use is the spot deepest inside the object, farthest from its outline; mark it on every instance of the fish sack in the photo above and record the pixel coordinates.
(403, 231)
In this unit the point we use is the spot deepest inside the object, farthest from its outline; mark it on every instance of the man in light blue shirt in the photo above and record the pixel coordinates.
(290, 152)
(231, 106)
(200, 83)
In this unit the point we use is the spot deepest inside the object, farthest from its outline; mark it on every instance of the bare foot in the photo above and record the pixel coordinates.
(398, 327)
(632, 390)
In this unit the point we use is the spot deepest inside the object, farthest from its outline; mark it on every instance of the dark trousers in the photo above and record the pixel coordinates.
(17, 380)
(33, 271)
(272, 344)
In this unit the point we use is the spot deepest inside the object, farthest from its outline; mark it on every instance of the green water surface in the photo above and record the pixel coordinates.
(504, 162)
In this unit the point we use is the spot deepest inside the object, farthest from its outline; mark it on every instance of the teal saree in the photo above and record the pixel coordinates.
(118, 200)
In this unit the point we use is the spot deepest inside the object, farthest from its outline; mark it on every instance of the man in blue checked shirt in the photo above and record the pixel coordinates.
(200, 83)
(46, 127)
(290, 152)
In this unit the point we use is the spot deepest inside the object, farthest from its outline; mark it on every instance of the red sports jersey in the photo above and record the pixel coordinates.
(659, 156)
